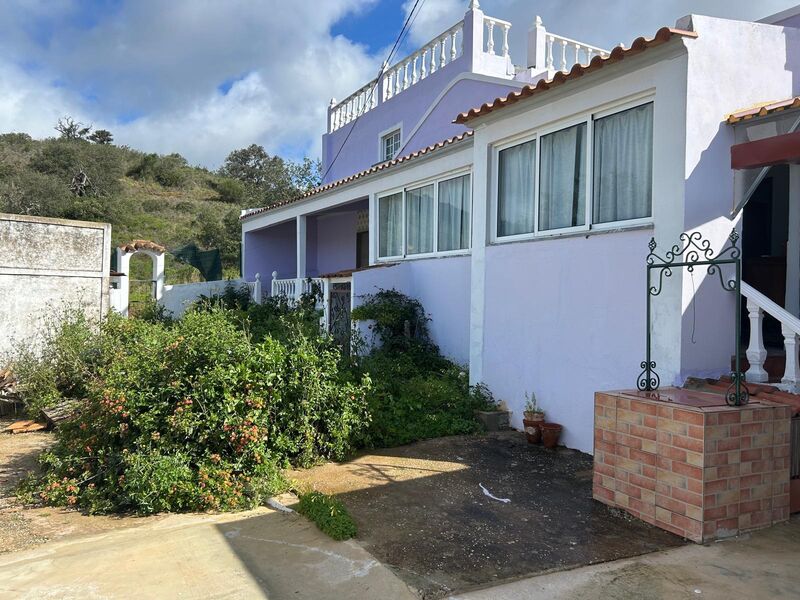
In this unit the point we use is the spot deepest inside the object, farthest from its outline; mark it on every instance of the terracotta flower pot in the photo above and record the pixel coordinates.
(533, 430)
(551, 432)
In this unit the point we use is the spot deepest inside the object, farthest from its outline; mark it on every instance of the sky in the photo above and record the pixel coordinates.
(205, 77)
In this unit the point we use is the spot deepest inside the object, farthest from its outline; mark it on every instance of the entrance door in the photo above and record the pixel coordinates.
(765, 233)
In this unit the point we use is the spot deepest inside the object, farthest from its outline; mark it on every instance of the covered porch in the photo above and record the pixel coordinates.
(311, 251)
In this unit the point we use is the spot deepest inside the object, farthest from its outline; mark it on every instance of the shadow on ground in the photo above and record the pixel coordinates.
(420, 510)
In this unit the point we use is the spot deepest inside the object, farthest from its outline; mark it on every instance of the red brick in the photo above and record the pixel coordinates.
(601, 494)
(718, 485)
(672, 453)
(644, 407)
(751, 506)
(696, 432)
(643, 432)
(650, 421)
(686, 416)
(729, 444)
(604, 447)
(727, 418)
(665, 412)
(687, 497)
(718, 512)
(688, 470)
(644, 458)
(664, 437)
(748, 481)
(672, 505)
(692, 528)
(729, 524)
(604, 469)
(629, 490)
(716, 459)
(644, 508)
(687, 443)
(752, 428)
(648, 471)
(643, 482)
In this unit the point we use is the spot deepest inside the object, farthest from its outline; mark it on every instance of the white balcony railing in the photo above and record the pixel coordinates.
(436, 54)
(294, 288)
(502, 27)
(565, 53)
(757, 305)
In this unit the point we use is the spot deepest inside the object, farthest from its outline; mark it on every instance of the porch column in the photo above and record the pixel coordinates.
(301, 254)
(480, 219)
(793, 247)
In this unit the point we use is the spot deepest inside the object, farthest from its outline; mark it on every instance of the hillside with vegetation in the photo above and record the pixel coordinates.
(81, 174)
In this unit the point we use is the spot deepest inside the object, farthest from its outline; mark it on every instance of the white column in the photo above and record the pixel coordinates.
(257, 289)
(158, 274)
(480, 178)
(124, 266)
(373, 229)
(301, 254)
(473, 38)
(792, 300)
(791, 375)
(756, 352)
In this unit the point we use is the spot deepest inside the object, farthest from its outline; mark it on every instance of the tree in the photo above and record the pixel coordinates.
(70, 129)
(101, 136)
(268, 178)
(307, 174)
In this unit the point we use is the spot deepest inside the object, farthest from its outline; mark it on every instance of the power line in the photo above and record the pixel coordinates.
(412, 16)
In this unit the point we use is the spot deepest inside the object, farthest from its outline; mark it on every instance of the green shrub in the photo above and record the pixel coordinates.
(329, 514)
(229, 190)
(194, 415)
(169, 171)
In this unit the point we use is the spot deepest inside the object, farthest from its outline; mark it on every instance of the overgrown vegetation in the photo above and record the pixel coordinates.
(82, 175)
(329, 514)
(201, 413)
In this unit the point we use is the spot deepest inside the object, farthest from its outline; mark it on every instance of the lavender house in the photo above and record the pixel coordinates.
(517, 203)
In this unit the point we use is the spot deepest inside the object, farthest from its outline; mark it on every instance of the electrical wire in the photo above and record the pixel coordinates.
(412, 16)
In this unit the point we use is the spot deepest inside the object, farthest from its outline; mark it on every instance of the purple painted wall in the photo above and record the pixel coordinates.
(407, 109)
(331, 243)
(564, 318)
(789, 22)
(441, 285)
(271, 249)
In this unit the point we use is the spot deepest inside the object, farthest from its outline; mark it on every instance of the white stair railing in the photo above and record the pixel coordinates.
(757, 305)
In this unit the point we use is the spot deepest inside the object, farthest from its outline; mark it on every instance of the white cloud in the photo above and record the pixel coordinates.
(150, 71)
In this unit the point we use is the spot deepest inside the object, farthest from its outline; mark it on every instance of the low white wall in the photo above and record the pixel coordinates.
(177, 298)
(48, 265)
(441, 285)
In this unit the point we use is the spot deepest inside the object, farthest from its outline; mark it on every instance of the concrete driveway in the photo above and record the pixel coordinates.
(258, 554)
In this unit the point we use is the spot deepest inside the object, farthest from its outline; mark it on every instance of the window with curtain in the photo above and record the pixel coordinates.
(562, 178)
(623, 165)
(515, 189)
(454, 213)
(390, 225)
(419, 220)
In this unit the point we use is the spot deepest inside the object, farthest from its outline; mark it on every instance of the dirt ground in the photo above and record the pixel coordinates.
(425, 511)
(22, 527)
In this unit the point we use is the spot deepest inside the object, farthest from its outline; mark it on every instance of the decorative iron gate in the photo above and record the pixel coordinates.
(339, 297)
(694, 251)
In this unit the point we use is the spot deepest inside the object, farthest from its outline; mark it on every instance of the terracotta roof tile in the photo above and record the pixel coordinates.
(640, 44)
(374, 169)
(762, 110)
(142, 245)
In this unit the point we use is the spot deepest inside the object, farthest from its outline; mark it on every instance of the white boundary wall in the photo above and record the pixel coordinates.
(47, 265)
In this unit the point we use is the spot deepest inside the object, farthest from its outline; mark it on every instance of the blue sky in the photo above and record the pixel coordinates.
(204, 77)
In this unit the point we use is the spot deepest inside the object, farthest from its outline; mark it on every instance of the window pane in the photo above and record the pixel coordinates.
(391, 144)
(562, 176)
(419, 220)
(623, 165)
(454, 213)
(390, 225)
(515, 189)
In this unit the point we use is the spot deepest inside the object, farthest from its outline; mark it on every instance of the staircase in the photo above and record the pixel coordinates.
(781, 367)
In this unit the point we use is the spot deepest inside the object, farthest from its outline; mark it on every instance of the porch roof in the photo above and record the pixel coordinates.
(640, 44)
(346, 180)
(762, 110)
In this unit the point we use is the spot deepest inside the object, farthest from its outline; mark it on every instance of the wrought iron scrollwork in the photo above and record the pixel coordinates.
(694, 251)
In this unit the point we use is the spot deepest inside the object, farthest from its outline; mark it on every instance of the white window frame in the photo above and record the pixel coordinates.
(537, 134)
(434, 180)
(397, 128)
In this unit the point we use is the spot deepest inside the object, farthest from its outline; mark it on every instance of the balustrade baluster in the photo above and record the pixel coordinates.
(791, 375)
(563, 55)
(443, 55)
(423, 71)
(756, 352)
(549, 65)
(405, 76)
(490, 38)
(433, 58)
(414, 70)
(398, 82)
(505, 40)
(453, 51)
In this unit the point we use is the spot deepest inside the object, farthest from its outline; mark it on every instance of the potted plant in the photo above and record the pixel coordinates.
(492, 414)
(533, 417)
(551, 432)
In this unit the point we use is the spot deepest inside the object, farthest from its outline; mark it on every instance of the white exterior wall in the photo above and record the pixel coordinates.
(564, 316)
(177, 298)
(47, 265)
(441, 285)
(732, 65)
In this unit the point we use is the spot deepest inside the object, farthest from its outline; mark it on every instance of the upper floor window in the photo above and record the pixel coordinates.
(428, 219)
(553, 182)
(390, 145)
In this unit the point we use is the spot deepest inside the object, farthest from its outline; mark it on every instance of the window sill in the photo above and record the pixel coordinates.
(401, 259)
(585, 233)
